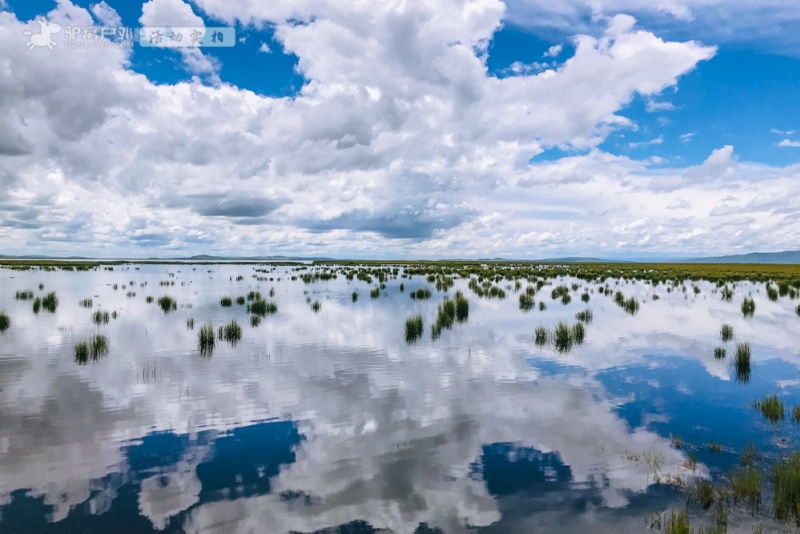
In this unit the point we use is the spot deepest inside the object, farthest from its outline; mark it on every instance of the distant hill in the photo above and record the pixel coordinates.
(786, 257)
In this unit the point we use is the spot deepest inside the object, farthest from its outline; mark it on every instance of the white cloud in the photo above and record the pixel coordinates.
(685, 138)
(264, 48)
(553, 51)
(657, 141)
(652, 106)
(387, 149)
(107, 15)
(789, 143)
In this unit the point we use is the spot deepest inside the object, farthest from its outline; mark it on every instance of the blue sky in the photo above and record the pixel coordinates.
(454, 129)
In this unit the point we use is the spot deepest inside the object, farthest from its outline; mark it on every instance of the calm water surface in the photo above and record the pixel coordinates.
(331, 422)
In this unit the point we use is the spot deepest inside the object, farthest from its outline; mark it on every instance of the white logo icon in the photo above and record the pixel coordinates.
(45, 36)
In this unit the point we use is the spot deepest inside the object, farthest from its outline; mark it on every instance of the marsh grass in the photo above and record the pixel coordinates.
(225, 302)
(255, 320)
(262, 308)
(149, 299)
(190, 324)
(797, 310)
(563, 337)
(540, 336)
(375, 293)
(93, 350)
(786, 481)
(316, 306)
(231, 332)
(86, 303)
(726, 333)
(50, 302)
(100, 317)
(414, 328)
(771, 408)
(167, 304)
(720, 353)
(748, 307)
(525, 302)
(5, 322)
(772, 293)
(742, 360)
(37, 304)
(585, 316)
(462, 307)
(727, 294)
(747, 486)
(578, 333)
(585, 297)
(240, 300)
(705, 494)
(354, 296)
(678, 523)
(420, 294)
(542, 306)
(631, 306)
(253, 295)
(23, 295)
(206, 340)
(796, 414)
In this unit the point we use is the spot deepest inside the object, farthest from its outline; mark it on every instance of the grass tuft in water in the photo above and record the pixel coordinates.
(705, 494)
(414, 328)
(375, 293)
(230, 332)
(100, 317)
(37, 304)
(263, 308)
(748, 307)
(5, 322)
(771, 408)
(726, 333)
(49, 302)
(786, 480)
(206, 340)
(24, 295)
(316, 306)
(190, 324)
(747, 486)
(354, 296)
(562, 337)
(525, 302)
(240, 300)
(167, 304)
(578, 333)
(225, 302)
(540, 336)
(93, 350)
(255, 320)
(678, 523)
(585, 316)
(720, 353)
(462, 307)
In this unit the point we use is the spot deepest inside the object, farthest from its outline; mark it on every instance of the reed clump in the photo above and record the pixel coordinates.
(786, 481)
(771, 408)
(316, 306)
(720, 353)
(225, 302)
(420, 294)
(540, 336)
(5, 322)
(748, 307)
(24, 295)
(100, 317)
(726, 333)
(92, 350)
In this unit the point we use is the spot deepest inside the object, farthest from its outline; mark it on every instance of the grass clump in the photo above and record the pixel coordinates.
(748, 307)
(100, 317)
(421, 294)
(540, 336)
(525, 302)
(49, 302)
(205, 340)
(585, 297)
(255, 320)
(240, 300)
(720, 353)
(796, 414)
(414, 328)
(726, 333)
(254, 295)
(705, 494)
(578, 333)
(167, 304)
(786, 480)
(148, 299)
(316, 306)
(771, 408)
(263, 308)
(354, 296)
(585, 316)
(225, 302)
(747, 486)
(190, 324)
(462, 307)
(562, 337)
(772, 293)
(93, 350)
(230, 332)
(375, 293)
(5, 322)
(678, 523)
(37, 304)
(24, 295)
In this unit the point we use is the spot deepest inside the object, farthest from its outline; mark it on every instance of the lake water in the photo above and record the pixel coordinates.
(331, 422)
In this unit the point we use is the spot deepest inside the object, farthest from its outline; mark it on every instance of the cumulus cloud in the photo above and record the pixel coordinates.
(789, 143)
(399, 133)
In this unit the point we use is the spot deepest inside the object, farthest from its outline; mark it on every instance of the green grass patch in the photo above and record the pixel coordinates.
(748, 307)
(771, 407)
(726, 333)
(93, 350)
(747, 486)
(786, 483)
(167, 304)
(720, 353)
(50, 302)
(414, 328)
(206, 340)
(5, 322)
(230, 332)
(225, 302)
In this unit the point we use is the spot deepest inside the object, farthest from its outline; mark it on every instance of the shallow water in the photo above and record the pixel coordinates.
(331, 422)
